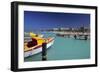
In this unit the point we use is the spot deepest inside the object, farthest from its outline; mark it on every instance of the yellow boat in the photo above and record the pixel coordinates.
(29, 51)
(27, 37)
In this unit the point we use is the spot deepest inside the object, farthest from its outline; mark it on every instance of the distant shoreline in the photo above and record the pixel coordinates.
(72, 33)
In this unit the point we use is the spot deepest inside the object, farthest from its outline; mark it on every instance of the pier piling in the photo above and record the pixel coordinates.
(44, 52)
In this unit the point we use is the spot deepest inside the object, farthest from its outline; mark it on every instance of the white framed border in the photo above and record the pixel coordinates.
(37, 64)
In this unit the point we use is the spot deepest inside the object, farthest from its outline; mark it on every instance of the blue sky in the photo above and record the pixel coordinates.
(47, 20)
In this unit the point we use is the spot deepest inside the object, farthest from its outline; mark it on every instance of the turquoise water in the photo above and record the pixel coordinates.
(64, 48)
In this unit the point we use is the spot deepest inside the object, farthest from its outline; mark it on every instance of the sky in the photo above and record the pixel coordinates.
(47, 20)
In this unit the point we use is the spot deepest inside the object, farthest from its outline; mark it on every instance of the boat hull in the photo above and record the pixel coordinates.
(37, 50)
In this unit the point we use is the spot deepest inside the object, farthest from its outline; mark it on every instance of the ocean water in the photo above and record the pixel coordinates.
(64, 48)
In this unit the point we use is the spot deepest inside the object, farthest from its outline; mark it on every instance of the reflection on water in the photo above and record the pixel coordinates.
(64, 48)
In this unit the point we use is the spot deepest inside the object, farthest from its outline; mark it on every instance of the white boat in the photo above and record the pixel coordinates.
(36, 49)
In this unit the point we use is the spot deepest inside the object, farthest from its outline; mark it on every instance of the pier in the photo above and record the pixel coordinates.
(76, 35)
